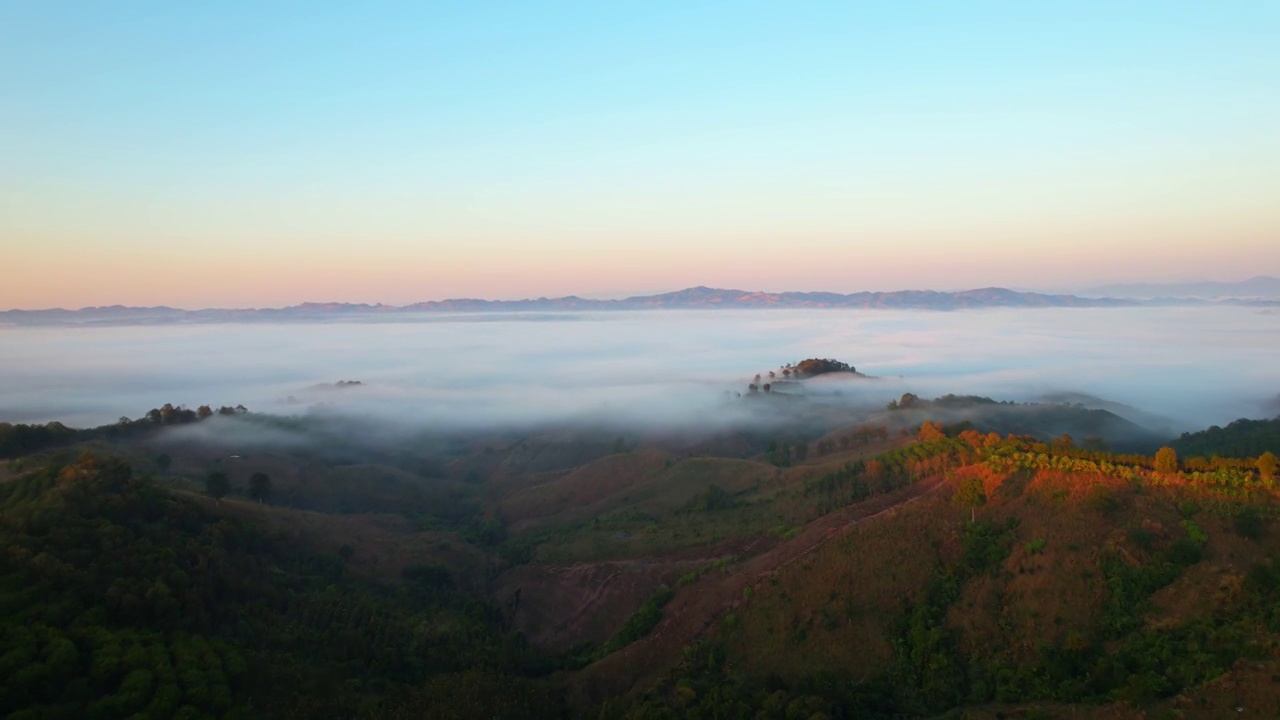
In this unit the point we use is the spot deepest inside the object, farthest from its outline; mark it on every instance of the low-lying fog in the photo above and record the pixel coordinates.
(1195, 366)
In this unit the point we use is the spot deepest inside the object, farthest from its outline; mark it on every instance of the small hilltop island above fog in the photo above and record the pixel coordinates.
(340, 385)
(787, 378)
(786, 396)
(323, 388)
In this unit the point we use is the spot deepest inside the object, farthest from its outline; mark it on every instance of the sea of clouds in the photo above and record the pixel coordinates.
(1195, 366)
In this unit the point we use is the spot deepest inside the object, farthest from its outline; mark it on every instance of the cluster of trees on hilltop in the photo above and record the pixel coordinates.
(17, 440)
(805, 368)
(911, 400)
(180, 415)
(820, 366)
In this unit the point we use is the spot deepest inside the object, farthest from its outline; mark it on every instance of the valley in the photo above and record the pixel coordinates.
(958, 553)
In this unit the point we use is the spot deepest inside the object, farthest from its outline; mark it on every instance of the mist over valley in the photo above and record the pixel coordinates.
(1175, 369)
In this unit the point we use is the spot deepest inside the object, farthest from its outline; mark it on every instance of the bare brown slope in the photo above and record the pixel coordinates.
(836, 609)
(562, 606)
(695, 608)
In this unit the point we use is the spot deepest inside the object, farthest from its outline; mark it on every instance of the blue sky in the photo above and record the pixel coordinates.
(260, 154)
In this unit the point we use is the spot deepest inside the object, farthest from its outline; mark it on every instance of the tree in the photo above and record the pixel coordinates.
(259, 486)
(819, 366)
(970, 493)
(163, 461)
(1167, 460)
(216, 485)
(779, 453)
(1267, 465)
(930, 430)
(874, 469)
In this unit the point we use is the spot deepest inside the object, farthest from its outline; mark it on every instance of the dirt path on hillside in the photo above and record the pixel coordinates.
(696, 608)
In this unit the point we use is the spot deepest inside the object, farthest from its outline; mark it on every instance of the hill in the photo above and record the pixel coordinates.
(122, 599)
(1241, 438)
(1043, 578)
(902, 562)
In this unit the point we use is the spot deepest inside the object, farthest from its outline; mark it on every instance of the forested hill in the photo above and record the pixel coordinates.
(119, 599)
(1241, 438)
(20, 439)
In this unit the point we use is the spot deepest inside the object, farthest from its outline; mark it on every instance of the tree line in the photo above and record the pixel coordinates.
(21, 439)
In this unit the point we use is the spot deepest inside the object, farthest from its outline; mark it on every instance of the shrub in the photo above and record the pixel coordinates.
(1248, 523)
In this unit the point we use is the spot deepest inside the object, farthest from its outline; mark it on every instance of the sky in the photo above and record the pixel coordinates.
(251, 154)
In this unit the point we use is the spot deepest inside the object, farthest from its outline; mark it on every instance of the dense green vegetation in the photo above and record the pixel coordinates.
(1240, 439)
(641, 623)
(120, 598)
(19, 440)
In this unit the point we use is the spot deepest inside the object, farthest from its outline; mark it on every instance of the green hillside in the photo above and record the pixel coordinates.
(122, 599)
(1240, 439)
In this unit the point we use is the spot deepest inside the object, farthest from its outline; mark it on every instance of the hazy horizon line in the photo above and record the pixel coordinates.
(614, 298)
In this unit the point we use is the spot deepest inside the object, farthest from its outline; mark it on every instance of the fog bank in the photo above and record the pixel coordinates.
(1195, 366)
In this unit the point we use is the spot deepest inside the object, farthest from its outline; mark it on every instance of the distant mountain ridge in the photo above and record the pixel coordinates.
(1261, 286)
(690, 298)
(706, 297)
